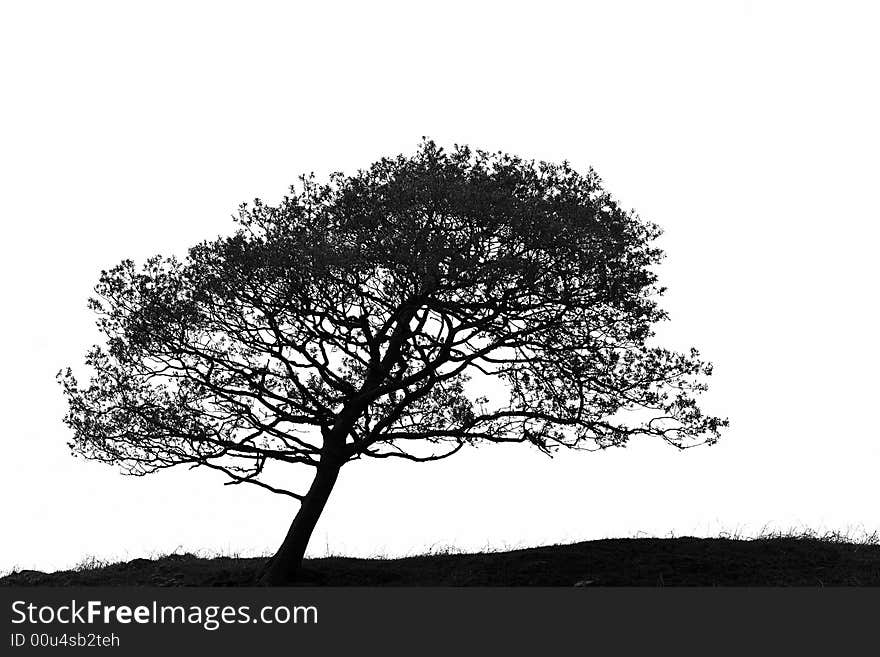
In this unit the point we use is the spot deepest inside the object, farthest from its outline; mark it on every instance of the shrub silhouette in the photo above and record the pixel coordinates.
(358, 317)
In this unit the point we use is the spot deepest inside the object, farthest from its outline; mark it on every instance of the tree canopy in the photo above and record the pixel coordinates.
(380, 308)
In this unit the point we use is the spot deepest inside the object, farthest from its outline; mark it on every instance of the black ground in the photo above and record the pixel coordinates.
(612, 562)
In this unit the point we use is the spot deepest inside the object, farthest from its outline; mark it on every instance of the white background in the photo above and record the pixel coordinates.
(749, 131)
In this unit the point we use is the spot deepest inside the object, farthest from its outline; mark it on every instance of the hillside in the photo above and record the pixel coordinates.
(786, 561)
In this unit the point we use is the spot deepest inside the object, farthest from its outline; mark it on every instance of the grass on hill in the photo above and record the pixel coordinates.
(772, 560)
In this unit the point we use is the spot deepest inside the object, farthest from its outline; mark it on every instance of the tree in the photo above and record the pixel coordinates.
(361, 317)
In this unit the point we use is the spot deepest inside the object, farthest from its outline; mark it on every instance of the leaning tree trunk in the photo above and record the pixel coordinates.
(283, 567)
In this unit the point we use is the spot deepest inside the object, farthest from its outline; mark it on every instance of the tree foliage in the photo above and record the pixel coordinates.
(429, 302)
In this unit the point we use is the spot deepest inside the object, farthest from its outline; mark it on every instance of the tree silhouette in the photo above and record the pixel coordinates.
(361, 317)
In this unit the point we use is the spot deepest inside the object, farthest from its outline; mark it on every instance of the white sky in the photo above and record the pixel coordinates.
(749, 131)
